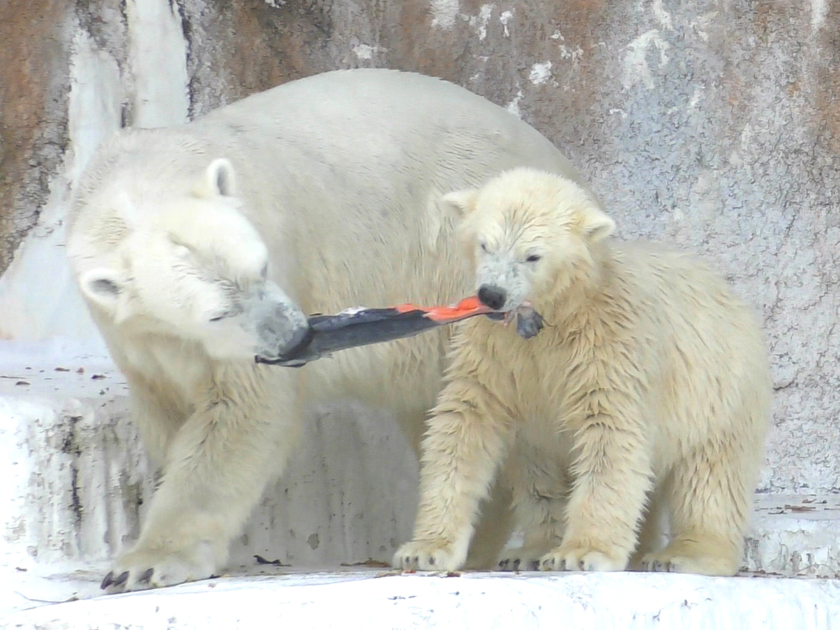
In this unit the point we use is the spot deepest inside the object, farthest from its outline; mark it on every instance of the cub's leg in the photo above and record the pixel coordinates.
(466, 441)
(612, 475)
(217, 467)
(495, 522)
(710, 500)
(541, 491)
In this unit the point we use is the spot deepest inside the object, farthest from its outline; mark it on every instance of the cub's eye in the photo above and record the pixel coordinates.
(533, 258)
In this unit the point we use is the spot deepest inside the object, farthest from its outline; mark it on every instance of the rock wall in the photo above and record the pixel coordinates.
(714, 124)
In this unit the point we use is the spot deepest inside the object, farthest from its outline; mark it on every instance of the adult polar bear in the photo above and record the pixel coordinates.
(197, 246)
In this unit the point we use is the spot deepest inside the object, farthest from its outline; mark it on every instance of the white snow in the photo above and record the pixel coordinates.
(369, 600)
(74, 473)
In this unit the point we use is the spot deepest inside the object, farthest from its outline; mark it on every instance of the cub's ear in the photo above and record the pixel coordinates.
(102, 287)
(219, 180)
(462, 202)
(595, 225)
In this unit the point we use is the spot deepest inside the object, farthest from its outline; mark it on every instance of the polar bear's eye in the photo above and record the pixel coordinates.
(483, 246)
(218, 318)
(533, 258)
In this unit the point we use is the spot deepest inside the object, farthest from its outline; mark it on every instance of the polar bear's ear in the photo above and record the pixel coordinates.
(102, 287)
(595, 225)
(220, 178)
(462, 201)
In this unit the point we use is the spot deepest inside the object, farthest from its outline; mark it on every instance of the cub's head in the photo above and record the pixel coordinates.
(190, 266)
(531, 234)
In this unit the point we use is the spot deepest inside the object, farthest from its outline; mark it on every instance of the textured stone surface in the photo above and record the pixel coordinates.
(710, 123)
(33, 111)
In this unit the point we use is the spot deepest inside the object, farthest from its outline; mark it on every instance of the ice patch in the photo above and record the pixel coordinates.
(506, 18)
(662, 16)
(819, 9)
(513, 106)
(540, 73)
(444, 13)
(481, 20)
(365, 51)
(158, 55)
(635, 65)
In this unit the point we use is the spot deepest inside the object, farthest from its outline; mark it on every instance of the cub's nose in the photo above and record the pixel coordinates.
(491, 296)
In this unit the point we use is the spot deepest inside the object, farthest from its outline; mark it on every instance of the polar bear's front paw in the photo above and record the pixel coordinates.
(674, 559)
(521, 559)
(428, 556)
(142, 569)
(571, 557)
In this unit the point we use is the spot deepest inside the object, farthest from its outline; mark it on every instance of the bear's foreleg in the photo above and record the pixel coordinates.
(217, 467)
(612, 478)
(467, 439)
(710, 500)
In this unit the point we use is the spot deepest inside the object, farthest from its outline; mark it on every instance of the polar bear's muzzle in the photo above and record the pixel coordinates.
(278, 323)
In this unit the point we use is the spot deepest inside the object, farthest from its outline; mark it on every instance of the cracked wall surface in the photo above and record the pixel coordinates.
(713, 124)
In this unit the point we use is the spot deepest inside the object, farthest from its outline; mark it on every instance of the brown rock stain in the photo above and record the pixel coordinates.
(33, 73)
(827, 80)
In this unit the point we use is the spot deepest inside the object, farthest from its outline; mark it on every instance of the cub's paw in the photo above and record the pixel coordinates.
(521, 559)
(673, 561)
(428, 556)
(141, 569)
(572, 557)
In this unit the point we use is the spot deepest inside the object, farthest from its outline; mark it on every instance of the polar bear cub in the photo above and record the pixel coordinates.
(646, 395)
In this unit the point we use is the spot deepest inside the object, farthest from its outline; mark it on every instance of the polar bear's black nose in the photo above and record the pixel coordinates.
(491, 296)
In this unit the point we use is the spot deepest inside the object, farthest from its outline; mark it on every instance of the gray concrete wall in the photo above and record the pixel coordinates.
(714, 124)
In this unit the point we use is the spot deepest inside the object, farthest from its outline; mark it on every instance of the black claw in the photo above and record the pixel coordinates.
(516, 564)
(145, 576)
(417, 560)
(107, 580)
(121, 579)
(431, 560)
(534, 565)
(503, 564)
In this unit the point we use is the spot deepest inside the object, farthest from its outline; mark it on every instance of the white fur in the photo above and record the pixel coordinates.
(648, 391)
(335, 182)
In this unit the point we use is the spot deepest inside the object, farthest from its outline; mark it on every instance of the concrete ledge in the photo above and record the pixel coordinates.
(76, 482)
(480, 600)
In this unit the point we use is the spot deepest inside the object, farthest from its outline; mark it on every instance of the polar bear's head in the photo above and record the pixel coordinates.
(191, 267)
(532, 234)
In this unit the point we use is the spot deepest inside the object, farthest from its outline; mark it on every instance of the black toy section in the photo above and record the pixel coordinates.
(363, 327)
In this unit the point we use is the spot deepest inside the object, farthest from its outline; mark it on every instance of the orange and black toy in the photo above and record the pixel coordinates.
(364, 326)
